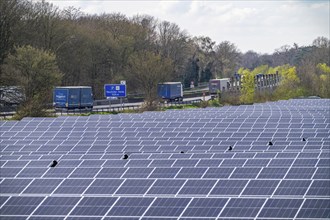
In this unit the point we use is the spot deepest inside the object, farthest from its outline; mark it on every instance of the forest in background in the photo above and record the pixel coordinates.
(43, 45)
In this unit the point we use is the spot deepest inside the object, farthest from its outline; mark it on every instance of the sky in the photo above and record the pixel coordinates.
(261, 25)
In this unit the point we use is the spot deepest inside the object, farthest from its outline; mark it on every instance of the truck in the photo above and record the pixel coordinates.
(73, 97)
(170, 91)
(216, 85)
(11, 95)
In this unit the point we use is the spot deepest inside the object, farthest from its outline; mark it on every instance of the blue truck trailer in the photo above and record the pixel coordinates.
(73, 97)
(170, 91)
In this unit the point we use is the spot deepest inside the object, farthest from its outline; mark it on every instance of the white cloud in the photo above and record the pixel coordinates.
(261, 26)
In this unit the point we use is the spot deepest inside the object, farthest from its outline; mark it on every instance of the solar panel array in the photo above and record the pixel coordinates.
(179, 165)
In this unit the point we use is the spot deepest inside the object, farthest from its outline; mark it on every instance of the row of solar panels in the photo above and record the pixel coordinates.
(292, 188)
(173, 132)
(253, 157)
(287, 180)
(216, 120)
(168, 172)
(176, 208)
(309, 161)
(100, 149)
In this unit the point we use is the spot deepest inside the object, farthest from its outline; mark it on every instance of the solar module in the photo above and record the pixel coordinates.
(178, 164)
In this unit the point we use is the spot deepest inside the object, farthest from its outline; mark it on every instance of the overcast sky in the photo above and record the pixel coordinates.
(261, 26)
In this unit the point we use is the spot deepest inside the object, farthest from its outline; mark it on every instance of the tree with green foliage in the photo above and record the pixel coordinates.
(290, 83)
(36, 72)
(324, 80)
(248, 86)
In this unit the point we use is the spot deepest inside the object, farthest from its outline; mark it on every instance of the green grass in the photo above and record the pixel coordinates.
(179, 107)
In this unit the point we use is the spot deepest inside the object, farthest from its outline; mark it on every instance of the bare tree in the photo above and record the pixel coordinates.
(227, 58)
(148, 69)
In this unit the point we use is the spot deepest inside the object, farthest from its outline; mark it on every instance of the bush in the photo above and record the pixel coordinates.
(214, 103)
(203, 104)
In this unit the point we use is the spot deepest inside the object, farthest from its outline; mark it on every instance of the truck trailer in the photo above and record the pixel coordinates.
(170, 91)
(73, 97)
(216, 85)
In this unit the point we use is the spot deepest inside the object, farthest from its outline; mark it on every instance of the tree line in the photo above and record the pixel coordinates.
(40, 41)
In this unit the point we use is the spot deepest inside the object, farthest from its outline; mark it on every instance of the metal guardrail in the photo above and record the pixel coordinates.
(5, 115)
(122, 108)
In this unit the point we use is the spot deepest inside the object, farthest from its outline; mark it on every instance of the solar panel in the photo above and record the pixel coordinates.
(242, 208)
(130, 206)
(56, 206)
(134, 186)
(179, 165)
(167, 207)
(292, 187)
(73, 186)
(42, 186)
(20, 205)
(204, 207)
(87, 206)
(281, 208)
(315, 208)
(228, 187)
(13, 186)
(103, 186)
(260, 187)
(319, 188)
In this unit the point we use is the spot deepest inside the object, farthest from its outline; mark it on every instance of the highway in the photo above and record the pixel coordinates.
(138, 104)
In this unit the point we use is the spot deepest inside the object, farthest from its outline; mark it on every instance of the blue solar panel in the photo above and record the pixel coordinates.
(20, 205)
(319, 188)
(191, 172)
(58, 172)
(137, 172)
(12, 186)
(93, 206)
(73, 186)
(130, 206)
(287, 180)
(84, 172)
(104, 186)
(293, 187)
(42, 186)
(167, 207)
(229, 187)
(56, 206)
(300, 173)
(272, 173)
(260, 187)
(204, 207)
(166, 187)
(134, 186)
(245, 172)
(197, 187)
(315, 208)
(242, 208)
(111, 172)
(281, 208)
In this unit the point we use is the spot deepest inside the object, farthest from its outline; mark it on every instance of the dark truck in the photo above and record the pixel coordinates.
(73, 97)
(11, 97)
(170, 91)
(219, 85)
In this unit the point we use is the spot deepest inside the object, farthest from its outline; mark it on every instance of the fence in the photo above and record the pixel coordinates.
(99, 109)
